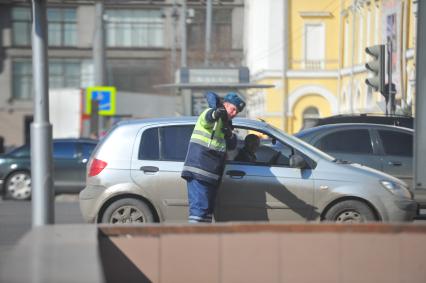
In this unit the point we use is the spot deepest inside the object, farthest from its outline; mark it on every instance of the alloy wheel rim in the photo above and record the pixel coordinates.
(350, 216)
(127, 214)
(19, 186)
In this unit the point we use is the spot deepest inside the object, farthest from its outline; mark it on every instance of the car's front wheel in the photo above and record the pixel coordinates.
(18, 186)
(350, 211)
(127, 210)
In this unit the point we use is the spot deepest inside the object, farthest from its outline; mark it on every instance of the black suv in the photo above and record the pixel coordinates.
(396, 120)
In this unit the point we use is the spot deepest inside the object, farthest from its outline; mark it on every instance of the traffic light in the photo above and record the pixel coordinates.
(377, 68)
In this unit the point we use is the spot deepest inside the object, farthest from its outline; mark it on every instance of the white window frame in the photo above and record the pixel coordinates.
(346, 44)
(360, 38)
(305, 47)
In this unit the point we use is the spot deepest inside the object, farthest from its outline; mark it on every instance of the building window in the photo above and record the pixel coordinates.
(61, 26)
(63, 73)
(310, 117)
(22, 80)
(314, 46)
(21, 25)
(135, 28)
(221, 30)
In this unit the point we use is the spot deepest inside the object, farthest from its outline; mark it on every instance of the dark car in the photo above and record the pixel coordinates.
(382, 147)
(395, 120)
(69, 162)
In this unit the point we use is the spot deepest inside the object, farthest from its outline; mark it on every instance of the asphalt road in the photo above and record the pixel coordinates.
(15, 219)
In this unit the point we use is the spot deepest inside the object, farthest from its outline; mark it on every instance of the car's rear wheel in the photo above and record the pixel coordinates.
(18, 186)
(127, 210)
(350, 211)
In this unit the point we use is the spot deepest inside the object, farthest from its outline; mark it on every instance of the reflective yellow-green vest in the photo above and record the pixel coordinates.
(206, 151)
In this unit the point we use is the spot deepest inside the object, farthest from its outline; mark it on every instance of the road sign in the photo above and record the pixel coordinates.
(105, 95)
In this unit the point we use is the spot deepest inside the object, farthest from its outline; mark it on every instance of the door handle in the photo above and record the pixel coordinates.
(394, 163)
(236, 174)
(149, 169)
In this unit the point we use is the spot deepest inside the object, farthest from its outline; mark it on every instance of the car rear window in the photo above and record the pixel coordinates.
(397, 143)
(348, 141)
(165, 143)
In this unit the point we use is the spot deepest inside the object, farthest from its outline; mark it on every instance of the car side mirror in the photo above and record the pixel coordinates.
(297, 161)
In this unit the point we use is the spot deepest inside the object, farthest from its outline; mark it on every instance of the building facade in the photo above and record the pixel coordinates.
(314, 53)
(142, 48)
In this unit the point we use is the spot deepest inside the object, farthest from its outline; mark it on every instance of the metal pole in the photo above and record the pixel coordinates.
(174, 31)
(208, 32)
(99, 45)
(99, 57)
(351, 104)
(420, 121)
(41, 129)
(391, 98)
(285, 24)
(183, 56)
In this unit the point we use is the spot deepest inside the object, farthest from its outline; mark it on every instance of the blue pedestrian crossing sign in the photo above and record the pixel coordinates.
(105, 95)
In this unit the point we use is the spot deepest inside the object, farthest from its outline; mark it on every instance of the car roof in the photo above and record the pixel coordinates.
(189, 120)
(399, 120)
(350, 126)
(85, 140)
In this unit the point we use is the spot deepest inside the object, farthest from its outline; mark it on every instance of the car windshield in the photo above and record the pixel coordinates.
(278, 132)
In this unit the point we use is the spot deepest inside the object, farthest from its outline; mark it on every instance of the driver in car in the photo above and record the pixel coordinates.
(247, 153)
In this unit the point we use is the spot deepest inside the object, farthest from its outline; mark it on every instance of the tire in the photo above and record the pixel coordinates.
(350, 211)
(18, 186)
(127, 210)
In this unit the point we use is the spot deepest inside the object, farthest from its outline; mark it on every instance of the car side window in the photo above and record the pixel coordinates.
(64, 150)
(165, 143)
(269, 152)
(174, 142)
(397, 143)
(149, 148)
(348, 141)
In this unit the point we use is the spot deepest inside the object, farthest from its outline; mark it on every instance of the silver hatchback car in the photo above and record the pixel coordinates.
(134, 176)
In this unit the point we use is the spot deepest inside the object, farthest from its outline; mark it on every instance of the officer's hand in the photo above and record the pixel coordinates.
(227, 132)
(220, 113)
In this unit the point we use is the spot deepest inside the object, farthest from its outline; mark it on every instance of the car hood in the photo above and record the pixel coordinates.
(354, 172)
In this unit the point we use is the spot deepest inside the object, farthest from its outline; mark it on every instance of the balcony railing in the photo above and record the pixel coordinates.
(314, 65)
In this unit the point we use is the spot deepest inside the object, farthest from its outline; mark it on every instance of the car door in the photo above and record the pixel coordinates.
(355, 145)
(260, 191)
(397, 154)
(157, 167)
(66, 174)
(85, 149)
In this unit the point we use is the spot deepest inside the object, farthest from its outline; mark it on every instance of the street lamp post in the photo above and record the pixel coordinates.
(41, 129)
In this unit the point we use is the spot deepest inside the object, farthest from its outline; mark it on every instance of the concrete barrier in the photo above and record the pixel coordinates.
(232, 252)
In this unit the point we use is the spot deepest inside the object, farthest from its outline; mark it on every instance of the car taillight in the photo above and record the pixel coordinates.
(96, 167)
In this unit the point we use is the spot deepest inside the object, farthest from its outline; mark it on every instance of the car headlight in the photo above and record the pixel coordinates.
(396, 189)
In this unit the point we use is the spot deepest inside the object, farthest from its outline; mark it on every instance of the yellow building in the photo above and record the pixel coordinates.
(322, 55)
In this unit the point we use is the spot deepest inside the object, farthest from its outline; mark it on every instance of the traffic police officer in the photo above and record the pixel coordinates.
(205, 159)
